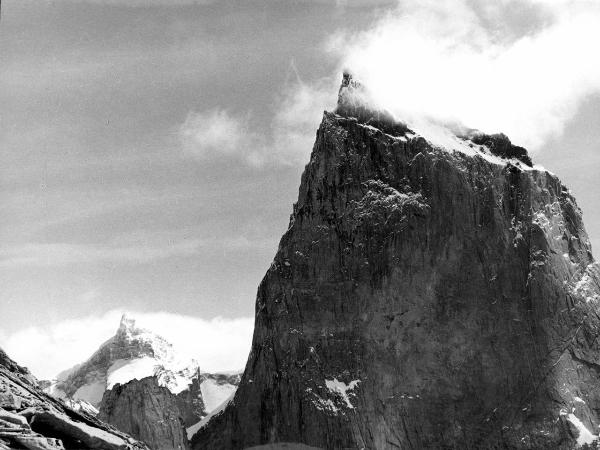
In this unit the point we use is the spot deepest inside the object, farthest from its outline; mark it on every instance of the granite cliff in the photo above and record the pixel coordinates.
(423, 297)
(147, 411)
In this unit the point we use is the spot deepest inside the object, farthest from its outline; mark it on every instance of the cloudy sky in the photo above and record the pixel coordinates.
(152, 149)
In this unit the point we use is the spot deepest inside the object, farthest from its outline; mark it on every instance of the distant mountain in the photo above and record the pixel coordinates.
(137, 363)
(424, 296)
(132, 353)
(32, 419)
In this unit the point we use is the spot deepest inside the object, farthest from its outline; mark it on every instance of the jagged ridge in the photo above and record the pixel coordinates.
(132, 352)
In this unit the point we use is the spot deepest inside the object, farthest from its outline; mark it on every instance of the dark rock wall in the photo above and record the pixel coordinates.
(454, 299)
(190, 403)
(147, 411)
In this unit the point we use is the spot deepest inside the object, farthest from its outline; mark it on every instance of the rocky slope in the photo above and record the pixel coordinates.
(423, 297)
(143, 387)
(31, 419)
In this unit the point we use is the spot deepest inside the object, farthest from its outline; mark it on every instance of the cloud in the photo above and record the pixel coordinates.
(218, 344)
(298, 114)
(287, 140)
(458, 61)
(215, 132)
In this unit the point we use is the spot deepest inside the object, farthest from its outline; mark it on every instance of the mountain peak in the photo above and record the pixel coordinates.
(349, 84)
(126, 324)
(132, 353)
(354, 101)
(429, 278)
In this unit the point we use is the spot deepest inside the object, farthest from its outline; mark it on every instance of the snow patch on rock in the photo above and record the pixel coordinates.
(342, 389)
(444, 139)
(91, 393)
(125, 370)
(215, 394)
(585, 435)
(586, 286)
(194, 428)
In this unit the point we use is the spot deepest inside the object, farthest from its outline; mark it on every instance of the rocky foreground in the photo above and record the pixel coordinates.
(31, 419)
(423, 297)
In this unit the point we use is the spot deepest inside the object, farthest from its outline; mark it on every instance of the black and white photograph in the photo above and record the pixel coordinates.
(299, 224)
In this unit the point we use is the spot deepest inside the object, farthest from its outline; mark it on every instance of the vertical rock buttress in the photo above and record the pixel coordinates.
(421, 298)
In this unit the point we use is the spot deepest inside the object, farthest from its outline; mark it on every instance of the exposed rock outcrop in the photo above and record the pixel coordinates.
(146, 411)
(31, 419)
(422, 298)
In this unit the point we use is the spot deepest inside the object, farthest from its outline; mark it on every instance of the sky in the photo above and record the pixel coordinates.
(152, 149)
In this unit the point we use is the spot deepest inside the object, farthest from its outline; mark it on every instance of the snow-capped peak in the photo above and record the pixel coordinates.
(132, 353)
(127, 324)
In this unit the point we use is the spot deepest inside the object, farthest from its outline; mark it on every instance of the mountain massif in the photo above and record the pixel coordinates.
(138, 382)
(424, 296)
(31, 419)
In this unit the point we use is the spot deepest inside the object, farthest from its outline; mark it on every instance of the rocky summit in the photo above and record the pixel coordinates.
(31, 419)
(423, 297)
(133, 352)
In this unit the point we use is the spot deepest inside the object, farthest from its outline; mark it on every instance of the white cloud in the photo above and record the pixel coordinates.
(216, 132)
(217, 344)
(287, 140)
(437, 60)
(298, 112)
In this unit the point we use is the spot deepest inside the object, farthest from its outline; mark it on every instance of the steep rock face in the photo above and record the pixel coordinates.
(31, 419)
(146, 411)
(191, 404)
(422, 298)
